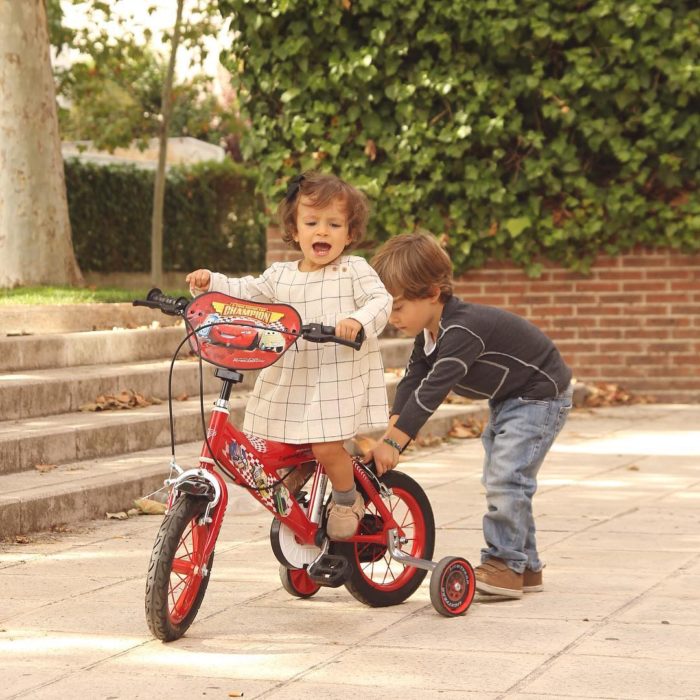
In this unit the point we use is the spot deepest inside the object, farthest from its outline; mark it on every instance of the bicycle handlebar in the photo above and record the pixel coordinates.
(313, 332)
(155, 299)
(317, 333)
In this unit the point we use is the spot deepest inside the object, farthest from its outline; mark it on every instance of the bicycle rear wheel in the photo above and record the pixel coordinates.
(177, 579)
(377, 579)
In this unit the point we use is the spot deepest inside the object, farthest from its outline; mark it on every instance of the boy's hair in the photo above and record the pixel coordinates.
(321, 189)
(412, 265)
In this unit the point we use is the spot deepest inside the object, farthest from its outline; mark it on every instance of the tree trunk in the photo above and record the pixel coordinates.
(159, 186)
(35, 234)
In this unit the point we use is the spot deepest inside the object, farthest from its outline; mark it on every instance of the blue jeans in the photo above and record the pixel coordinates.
(517, 438)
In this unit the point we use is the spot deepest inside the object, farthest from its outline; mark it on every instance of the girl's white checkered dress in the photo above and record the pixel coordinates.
(319, 392)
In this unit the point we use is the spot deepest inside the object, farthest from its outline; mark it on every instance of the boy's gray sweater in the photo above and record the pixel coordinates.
(481, 352)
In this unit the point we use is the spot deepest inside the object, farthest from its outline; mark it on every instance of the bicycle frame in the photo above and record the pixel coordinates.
(257, 467)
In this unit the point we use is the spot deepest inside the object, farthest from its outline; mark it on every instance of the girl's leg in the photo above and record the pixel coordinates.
(337, 463)
(347, 505)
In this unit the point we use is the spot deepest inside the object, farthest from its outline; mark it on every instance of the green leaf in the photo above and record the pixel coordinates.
(516, 226)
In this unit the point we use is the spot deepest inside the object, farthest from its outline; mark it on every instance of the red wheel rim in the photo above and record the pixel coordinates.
(382, 572)
(457, 586)
(302, 583)
(186, 572)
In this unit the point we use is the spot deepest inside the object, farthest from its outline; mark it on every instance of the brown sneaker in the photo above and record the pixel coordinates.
(343, 520)
(532, 581)
(298, 477)
(496, 578)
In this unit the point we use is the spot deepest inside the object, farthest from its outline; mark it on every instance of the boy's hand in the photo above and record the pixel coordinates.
(199, 281)
(348, 328)
(385, 457)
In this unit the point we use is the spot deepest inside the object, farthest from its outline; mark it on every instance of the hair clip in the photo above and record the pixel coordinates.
(293, 187)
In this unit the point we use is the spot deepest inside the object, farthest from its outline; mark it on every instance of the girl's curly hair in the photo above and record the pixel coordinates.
(321, 189)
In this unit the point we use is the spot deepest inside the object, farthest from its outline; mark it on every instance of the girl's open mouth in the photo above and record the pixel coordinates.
(321, 248)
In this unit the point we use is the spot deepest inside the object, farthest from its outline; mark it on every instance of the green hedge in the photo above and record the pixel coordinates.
(212, 217)
(518, 128)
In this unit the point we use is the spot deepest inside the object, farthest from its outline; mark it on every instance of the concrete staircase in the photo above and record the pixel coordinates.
(59, 465)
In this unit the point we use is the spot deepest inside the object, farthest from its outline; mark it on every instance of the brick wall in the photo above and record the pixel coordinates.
(634, 320)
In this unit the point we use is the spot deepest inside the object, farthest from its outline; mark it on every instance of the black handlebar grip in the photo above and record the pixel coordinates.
(155, 299)
(316, 333)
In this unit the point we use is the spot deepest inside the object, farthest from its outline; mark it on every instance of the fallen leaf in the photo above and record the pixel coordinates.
(123, 400)
(117, 516)
(428, 440)
(371, 149)
(43, 468)
(467, 429)
(606, 394)
(633, 468)
(22, 539)
(182, 397)
(150, 507)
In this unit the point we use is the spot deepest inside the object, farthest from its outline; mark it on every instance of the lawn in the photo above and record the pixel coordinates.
(75, 295)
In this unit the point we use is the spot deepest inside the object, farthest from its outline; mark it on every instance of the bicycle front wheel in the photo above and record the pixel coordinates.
(377, 579)
(177, 579)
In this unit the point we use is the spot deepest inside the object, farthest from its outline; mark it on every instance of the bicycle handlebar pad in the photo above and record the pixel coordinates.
(313, 332)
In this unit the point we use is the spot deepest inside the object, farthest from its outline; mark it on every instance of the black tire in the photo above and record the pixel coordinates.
(173, 597)
(452, 586)
(297, 582)
(375, 578)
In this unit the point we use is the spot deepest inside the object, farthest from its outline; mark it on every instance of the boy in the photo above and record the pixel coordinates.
(479, 352)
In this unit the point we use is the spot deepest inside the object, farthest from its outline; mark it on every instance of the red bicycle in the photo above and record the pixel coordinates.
(383, 564)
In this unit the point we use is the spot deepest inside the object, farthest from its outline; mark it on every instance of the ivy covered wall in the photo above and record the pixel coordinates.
(519, 129)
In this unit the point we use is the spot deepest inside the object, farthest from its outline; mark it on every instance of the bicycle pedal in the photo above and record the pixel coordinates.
(330, 570)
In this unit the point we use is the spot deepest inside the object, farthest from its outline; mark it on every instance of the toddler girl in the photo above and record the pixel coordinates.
(320, 394)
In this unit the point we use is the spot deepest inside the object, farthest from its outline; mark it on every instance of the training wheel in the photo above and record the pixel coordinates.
(452, 586)
(297, 582)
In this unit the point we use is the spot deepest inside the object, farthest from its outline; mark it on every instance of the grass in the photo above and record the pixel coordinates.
(75, 295)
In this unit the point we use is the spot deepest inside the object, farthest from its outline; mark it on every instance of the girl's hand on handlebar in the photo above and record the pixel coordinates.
(348, 328)
(199, 281)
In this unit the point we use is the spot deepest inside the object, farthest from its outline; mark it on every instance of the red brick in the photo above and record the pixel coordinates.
(615, 322)
(584, 310)
(621, 298)
(644, 287)
(673, 273)
(682, 309)
(619, 275)
(642, 333)
(596, 287)
(646, 310)
(669, 347)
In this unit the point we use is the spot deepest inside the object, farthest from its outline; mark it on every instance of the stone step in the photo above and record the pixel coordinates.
(40, 319)
(68, 437)
(51, 351)
(81, 490)
(44, 392)
(30, 352)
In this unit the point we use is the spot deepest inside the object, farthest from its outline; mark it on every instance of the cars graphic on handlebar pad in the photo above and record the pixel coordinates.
(230, 332)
